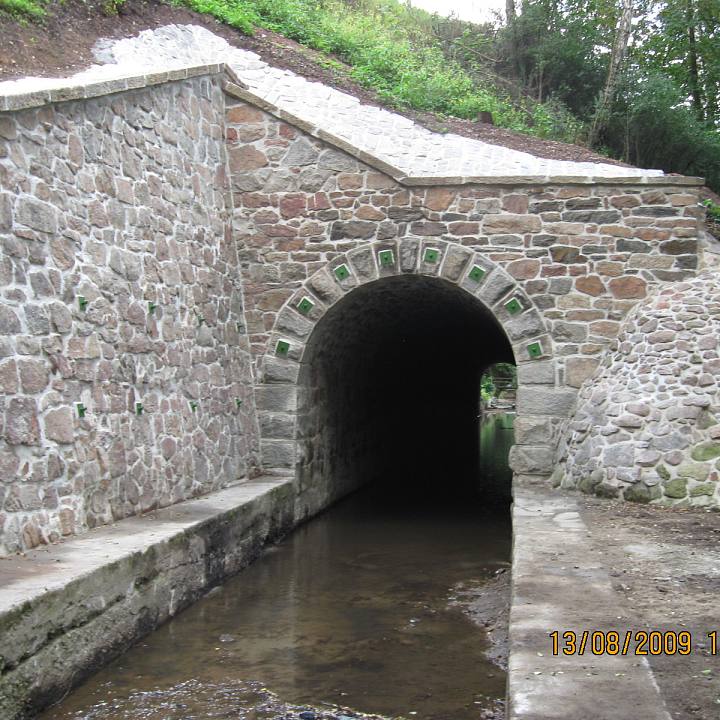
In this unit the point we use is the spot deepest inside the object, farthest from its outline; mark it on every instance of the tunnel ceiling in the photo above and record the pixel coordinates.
(420, 313)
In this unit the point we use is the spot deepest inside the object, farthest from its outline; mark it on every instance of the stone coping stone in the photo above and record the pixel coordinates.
(69, 608)
(560, 582)
(43, 91)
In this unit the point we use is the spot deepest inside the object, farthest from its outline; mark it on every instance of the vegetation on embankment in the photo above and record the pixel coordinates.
(391, 48)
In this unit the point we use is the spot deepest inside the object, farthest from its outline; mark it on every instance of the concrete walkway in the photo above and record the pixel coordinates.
(560, 582)
(67, 609)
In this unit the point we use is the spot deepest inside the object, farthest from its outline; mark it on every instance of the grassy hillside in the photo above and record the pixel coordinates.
(390, 47)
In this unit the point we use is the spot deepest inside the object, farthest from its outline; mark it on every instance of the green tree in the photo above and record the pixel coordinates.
(683, 42)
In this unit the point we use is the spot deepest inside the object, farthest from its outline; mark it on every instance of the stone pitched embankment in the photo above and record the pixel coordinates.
(647, 425)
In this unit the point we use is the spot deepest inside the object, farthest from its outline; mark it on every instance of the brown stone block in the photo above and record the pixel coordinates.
(515, 204)
(379, 181)
(464, 228)
(566, 255)
(553, 271)
(682, 199)
(246, 158)
(609, 269)
(289, 244)
(523, 269)
(33, 376)
(292, 205)
(507, 224)
(350, 181)
(59, 425)
(438, 198)
(650, 234)
(244, 114)
(21, 422)
(564, 228)
(628, 287)
(605, 328)
(654, 197)
(366, 212)
(579, 369)
(590, 285)
(616, 231)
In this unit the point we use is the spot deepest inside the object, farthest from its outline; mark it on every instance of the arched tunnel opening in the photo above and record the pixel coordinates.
(390, 394)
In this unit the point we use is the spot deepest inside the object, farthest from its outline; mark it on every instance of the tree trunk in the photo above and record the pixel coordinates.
(693, 73)
(617, 57)
(511, 21)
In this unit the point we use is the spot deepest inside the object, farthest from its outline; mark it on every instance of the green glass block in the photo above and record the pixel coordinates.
(386, 257)
(305, 305)
(534, 350)
(477, 273)
(282, 348)
(81, 410)
(152, 307)
(431, 255)
(238, 402)
(82, 302)
(139, 408)
(342, 272)
(513, 306)
(193, 405)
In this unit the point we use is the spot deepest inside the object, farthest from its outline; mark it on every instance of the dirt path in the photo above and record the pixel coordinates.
(665, 564)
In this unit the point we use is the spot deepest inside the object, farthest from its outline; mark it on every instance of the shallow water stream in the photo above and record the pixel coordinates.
(356, 609)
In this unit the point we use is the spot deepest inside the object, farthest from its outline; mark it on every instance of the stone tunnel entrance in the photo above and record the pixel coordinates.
(389, 391)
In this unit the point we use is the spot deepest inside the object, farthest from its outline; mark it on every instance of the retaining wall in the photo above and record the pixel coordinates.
(159, 233)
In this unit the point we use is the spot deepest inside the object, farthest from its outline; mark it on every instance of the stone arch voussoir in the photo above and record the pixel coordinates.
(471, 271)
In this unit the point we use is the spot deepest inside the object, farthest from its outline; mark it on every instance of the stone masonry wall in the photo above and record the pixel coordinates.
(647, 426)
(156, 245)
(119, 286)
(578, 257)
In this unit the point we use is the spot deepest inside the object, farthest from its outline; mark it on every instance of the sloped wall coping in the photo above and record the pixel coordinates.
(46, 91)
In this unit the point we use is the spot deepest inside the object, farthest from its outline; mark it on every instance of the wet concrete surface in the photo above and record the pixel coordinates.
(364, 608)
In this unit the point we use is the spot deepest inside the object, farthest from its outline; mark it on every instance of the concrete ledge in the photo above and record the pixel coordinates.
(52, 90)
(560, 583)
(69, 608)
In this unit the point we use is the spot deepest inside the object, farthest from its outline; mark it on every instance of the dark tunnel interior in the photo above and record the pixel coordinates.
(389, 391)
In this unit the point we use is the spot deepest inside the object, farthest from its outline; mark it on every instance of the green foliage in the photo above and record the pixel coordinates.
(653, 126)
(682, 41)
(390, 49)
(112, 7)
(236, 14)
(713, 210)
(666, 111)
(27, 8)
(498, 377)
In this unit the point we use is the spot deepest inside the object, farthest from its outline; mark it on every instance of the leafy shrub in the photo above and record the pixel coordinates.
(21, 8)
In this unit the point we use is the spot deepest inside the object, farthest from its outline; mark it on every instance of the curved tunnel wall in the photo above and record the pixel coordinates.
(388, 390)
